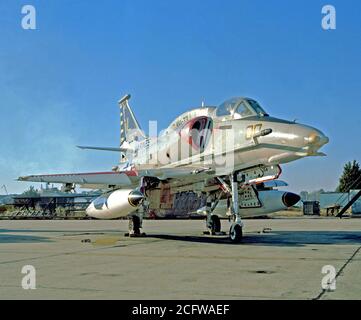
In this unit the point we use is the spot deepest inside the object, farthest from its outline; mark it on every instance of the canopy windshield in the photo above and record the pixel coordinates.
(239, 108)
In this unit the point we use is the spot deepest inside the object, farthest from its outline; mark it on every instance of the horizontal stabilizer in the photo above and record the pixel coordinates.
(104, 149)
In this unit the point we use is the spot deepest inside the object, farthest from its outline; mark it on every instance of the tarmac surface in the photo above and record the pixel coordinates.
(278, 259)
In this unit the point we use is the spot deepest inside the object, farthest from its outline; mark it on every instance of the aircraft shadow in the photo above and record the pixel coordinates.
(272, 238)
(19, 236)
(57, 231)
(279, 238)
(10, 238)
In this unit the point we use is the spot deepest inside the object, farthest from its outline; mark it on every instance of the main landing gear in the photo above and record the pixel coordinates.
(136, 220)
(135, 226)
(213, 224)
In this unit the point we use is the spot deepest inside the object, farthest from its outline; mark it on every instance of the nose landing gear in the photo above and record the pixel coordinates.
(213, 222)
(236, 233)
(236, 230)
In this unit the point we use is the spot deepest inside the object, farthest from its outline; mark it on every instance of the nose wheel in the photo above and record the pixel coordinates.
(236, 233)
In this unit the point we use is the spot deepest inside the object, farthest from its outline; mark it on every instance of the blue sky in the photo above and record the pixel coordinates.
(59, 84)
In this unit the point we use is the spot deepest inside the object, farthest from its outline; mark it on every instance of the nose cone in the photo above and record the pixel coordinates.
(290, 199)
(308, 138)
(135, 198)
(316, 138)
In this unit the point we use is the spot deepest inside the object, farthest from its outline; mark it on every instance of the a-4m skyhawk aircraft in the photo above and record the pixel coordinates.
(212, 161)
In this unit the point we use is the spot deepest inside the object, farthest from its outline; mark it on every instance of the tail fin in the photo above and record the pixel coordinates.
(129, 127)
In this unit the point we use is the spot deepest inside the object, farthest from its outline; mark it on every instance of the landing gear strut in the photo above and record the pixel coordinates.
(236, 230)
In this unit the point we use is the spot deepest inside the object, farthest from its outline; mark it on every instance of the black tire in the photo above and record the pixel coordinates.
(214, 225)
(134, 224)
(236, 233)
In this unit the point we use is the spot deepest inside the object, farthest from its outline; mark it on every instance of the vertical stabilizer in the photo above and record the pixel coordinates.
(130, 130)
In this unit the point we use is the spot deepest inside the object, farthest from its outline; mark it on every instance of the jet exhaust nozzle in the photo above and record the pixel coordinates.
(290, 199)
(135, 198)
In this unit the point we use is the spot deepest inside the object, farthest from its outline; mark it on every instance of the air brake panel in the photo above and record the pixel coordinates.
(259, 174)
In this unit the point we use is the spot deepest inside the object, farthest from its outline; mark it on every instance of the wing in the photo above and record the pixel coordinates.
(118, 179)
(97, 179)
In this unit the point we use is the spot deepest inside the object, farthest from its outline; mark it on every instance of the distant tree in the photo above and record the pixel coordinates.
(31, 192)
(304, 195)
(351, 177)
